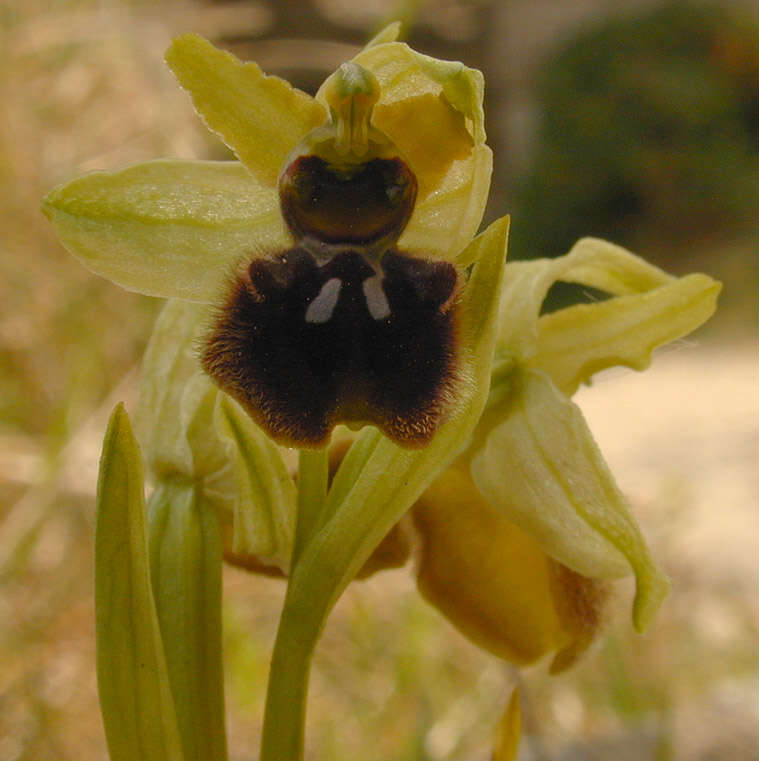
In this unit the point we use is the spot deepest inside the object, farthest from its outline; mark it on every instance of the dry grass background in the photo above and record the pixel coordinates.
(83, 86)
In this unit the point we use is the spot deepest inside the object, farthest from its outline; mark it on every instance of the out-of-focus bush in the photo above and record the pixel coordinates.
(648, 131)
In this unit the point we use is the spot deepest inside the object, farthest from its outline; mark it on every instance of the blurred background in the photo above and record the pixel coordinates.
(635, 120)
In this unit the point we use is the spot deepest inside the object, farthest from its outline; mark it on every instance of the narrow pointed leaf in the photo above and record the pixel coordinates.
(576, 342)
(261, 118)
(135, 695)
(185, 565)
(173, 229)
(542, 469)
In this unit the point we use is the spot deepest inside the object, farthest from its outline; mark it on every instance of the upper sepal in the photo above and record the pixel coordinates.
(261, 118)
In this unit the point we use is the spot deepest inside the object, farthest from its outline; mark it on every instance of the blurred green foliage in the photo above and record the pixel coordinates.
(648, 131)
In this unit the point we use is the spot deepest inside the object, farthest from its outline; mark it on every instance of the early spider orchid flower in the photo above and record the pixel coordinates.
(329, 287)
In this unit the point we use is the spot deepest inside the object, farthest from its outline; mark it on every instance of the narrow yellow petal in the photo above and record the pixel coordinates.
(576, 342)
(261, 118)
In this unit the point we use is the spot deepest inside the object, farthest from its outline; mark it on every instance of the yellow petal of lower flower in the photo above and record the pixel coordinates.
(541, 468)
(486, 575)
(261, 118)
(172, 229)
(576, 342)
(509, 730)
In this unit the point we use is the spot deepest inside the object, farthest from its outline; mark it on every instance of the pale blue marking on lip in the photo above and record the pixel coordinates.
(376, 301)
(320, 309)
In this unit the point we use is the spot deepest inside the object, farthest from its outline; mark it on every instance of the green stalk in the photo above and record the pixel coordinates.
(312, 495)
(285, 713)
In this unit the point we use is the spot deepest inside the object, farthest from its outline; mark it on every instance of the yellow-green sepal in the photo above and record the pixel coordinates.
(185, 568)
(541, 468)
(173, 229)
(133, 682)
(261, 118)
(591, 262)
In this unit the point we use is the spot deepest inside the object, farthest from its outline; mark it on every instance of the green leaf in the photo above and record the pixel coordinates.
(576, 342)
(185, 565)
(541, 468)
(135, 696)
(378, 480)
(174, 229)
(261, 118)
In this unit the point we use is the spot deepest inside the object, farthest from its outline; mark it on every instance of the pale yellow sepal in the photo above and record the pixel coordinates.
(266, 497)
(576, 342)
(432, 110)
(173, 229)
(261, 118)
(540, 467)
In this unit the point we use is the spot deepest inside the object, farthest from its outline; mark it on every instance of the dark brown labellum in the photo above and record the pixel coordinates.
(304, 346)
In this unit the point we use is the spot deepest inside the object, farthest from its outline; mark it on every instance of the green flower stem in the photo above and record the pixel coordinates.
(312, 495)
(285, 714)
